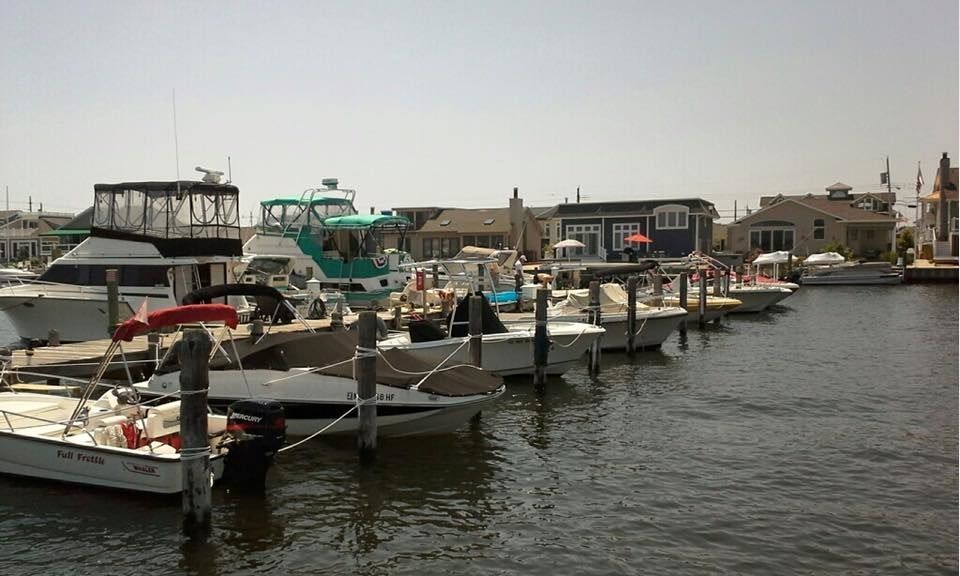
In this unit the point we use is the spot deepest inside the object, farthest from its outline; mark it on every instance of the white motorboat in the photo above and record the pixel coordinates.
(830, 268)
(7, 274)
(119, 442)
(654, 324)
(164, 239)
(311, 375)
(507, 349)
(754, 297)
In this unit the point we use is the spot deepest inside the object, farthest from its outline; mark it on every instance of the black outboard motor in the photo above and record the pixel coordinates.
(258, 429)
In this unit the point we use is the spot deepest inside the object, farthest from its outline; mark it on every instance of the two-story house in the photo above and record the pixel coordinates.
(804, 224)
(939, 222)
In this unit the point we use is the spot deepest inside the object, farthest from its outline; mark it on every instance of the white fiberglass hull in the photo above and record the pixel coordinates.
(850, 280)
(314, 401)
(757, 299)
(510, 353)
(77, 317)
(653, 327)
(38, 449)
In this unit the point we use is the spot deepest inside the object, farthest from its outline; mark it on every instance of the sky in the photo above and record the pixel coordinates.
(455, 103)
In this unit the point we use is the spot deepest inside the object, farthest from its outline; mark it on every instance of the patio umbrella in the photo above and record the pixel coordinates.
(569, 243)
(639, 238)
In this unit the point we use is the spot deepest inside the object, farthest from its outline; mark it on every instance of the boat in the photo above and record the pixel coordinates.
(753, 297)
(119, 442)
(311, 375)
(831, 268)
(507, 349)
(321, 230)
(7, 274)
(164, 239)
(716, 306)
(654, 324)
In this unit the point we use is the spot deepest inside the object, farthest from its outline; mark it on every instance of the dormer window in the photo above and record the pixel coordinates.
(444, 222)
(671, 216)
(488, 221)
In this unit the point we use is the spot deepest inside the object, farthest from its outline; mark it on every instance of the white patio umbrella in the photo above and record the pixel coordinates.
(569, 243)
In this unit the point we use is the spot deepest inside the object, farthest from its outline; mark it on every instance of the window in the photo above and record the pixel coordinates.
(671, 216)
(771, 239)
(469, 240)
(488, 221)
(621, 231)
(589, 235)
(818, 229)
(869, 234)
(3, 250)
(449, 247)
(431, 247)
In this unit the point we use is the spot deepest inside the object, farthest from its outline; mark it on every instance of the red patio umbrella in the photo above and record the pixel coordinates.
(640, 238)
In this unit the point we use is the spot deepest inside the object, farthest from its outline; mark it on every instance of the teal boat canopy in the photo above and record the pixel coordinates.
(365, 221)
(298, 200)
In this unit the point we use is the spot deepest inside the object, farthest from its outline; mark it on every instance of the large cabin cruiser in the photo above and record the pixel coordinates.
(327, 240)
(164, 239)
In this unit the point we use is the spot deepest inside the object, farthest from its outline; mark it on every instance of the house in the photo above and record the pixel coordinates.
(804, 224)
(937, 239)
(21, 234)
(675, 227)
(442, 232)
(73, 232)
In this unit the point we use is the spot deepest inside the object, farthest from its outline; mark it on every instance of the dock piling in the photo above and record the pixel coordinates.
(658, 289)
(594, 318)
(476, 330)
(684, 303)
(53, 337)
(113, 299)
(367, 383)
(702, 298)
(541, 347)
(631, 314)
(193, 352)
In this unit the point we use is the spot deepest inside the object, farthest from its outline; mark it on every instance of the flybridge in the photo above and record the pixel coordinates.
(181, 218)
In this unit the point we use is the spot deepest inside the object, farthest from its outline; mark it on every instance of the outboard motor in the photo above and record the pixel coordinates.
(258, 429)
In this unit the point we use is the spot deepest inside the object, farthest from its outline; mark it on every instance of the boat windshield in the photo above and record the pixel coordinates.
(309, 210)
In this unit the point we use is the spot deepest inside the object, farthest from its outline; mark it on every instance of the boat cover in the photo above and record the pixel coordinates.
(172, 316)
(778, 257)
(269, 299)
(283, 351)
(824, 258)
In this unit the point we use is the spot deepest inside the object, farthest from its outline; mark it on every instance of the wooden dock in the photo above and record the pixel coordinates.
(929, 272)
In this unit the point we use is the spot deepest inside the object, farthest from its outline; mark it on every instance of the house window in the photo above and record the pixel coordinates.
(869, 234)
(771, 239)
(469, 240)
(431, 247)
(3, 250)
(818, 229)
(589, 235)
(671, 216)
(621, 231)
(449, 247)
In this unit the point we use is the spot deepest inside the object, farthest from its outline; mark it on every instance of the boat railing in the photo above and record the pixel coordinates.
(8, 413)
(75, 288)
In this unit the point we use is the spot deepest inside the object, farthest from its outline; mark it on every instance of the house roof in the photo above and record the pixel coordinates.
(80, 224)
(888, 197)
(840, 210)
(951, 186)
(629, 207)
(470, 220)
(839, 186)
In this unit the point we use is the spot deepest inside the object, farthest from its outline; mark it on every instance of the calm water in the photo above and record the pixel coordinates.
(819, 439)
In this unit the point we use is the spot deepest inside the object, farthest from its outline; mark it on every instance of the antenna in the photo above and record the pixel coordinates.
(176, 140)
(229, 171)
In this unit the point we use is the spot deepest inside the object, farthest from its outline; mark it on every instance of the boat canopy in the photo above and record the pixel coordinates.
(314, 201)
(365, 221)
(779, 257)
(181, 218)
(824, 258)
(174, 316)
(270, 301)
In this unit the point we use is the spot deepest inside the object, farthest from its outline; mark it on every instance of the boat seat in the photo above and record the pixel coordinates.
(20, 412)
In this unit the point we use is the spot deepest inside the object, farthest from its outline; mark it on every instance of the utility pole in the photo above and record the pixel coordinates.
(889, 184)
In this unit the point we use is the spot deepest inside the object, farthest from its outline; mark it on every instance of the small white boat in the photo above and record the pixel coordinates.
(830, 268)
(119, 442)
(654, 324)
(507, 349)
(755, 298)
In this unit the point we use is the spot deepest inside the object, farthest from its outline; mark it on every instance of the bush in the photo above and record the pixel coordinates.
(839, 249)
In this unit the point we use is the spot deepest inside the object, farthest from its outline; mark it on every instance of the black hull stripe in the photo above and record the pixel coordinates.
(329, 411)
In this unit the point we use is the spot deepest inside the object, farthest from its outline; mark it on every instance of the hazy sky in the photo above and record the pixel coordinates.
(454, 103)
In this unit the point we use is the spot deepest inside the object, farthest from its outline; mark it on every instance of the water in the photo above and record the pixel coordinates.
(820, 439)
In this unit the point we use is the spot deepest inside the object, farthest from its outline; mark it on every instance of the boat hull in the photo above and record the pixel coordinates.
(508, 354)
(653, 329)
(839, 280)
(76, 319)
(314, 401)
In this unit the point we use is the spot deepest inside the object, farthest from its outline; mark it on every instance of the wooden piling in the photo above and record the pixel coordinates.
(397, 318)
(53, 337)
(717, 283)
(631, 314)
(726, 284)
(594, 318)
(153, 346)
(476, 330)
(683, 300)
(113, 299)
(658, 289)
(435, 275)
(702, 299)
(367, 383)
(541, 347)
(193, 352)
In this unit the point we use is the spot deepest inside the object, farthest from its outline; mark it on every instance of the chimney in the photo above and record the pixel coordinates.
(943, 215)
(371, 209)
(517, 239)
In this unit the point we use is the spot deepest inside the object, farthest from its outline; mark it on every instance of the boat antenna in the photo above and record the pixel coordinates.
(229, 171)
(176, 140)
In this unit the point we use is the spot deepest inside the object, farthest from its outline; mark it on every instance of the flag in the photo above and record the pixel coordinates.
(919, 178)
(141, 316)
